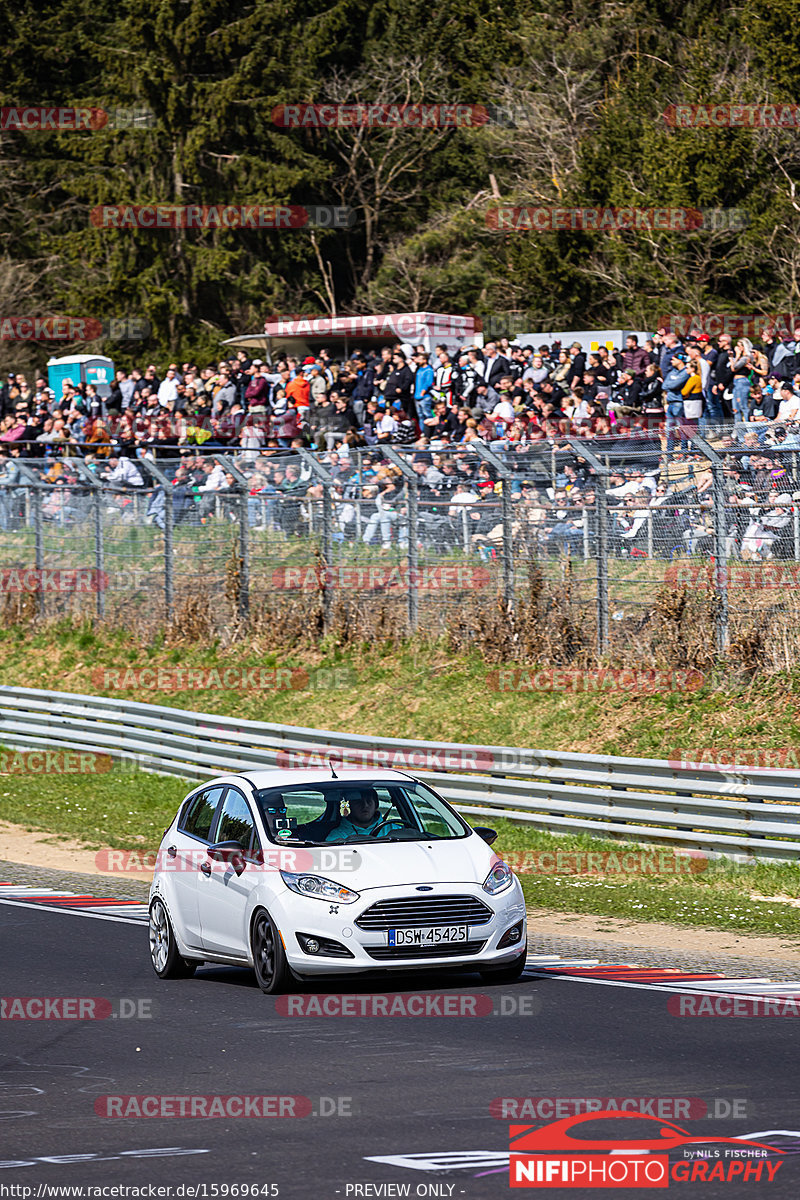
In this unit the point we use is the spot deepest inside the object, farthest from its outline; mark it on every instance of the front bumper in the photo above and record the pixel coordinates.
(369, 950)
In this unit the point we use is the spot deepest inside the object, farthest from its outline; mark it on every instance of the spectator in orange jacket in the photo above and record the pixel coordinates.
(298, 391)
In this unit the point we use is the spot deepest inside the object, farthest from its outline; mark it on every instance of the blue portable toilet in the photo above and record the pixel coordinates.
(81, 368)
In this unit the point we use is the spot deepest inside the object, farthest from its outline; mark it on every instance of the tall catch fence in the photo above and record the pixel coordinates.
(585, 548)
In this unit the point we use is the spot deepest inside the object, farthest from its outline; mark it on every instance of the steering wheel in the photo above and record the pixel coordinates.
(388, 820)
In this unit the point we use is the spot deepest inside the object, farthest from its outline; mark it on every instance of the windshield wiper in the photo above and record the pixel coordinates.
(296, 842)
(418, 836)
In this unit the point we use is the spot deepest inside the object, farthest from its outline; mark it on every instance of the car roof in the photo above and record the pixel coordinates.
(278, 777)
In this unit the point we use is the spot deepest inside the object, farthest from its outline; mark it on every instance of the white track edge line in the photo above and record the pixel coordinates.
(73, 912)
(646, 987)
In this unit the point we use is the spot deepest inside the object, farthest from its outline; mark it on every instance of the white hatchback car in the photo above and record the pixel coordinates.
(304, 873)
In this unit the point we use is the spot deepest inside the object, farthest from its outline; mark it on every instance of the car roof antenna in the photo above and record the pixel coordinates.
(333, 773)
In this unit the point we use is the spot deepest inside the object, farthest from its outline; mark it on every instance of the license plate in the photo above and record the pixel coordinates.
(436, 936)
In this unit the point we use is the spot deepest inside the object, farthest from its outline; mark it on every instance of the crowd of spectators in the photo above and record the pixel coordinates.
(518, 398)
(505, 393)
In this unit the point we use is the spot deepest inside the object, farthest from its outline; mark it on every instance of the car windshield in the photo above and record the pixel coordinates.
(339, 811)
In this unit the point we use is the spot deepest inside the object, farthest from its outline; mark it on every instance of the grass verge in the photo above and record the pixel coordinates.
(421, 690)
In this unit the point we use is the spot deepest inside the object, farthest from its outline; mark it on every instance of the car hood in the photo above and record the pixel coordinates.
(392, 864)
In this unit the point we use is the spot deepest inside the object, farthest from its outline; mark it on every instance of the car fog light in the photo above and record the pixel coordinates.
(312, 945)
(511, 936)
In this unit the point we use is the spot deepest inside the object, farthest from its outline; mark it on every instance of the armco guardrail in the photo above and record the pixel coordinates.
(742, 812)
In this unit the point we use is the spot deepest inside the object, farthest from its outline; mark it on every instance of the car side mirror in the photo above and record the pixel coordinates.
(228, 852)
(488, 835)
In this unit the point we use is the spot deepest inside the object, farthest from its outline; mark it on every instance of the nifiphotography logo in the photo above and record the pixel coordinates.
(615, 1149)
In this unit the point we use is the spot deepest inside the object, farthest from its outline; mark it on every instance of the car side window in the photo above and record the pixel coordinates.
(199, 815)
(235, 821)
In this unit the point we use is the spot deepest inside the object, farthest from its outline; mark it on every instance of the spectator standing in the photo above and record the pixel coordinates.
(634, 357)
(674, 381)
(423, 386)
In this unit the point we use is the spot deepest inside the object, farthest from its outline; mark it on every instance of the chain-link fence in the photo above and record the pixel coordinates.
(606, 543)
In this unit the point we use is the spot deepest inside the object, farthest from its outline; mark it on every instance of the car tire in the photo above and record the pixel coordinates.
(269, 957)
(505, 974)
(164, 955)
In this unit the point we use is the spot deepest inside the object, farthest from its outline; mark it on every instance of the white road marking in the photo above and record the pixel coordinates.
(74, 912)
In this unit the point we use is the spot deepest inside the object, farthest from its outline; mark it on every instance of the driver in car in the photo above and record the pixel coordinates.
(364, 819)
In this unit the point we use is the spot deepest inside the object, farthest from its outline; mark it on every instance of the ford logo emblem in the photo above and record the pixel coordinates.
(424, 888)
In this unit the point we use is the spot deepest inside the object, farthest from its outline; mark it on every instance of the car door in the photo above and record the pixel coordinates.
(186, 853)
(223, 894)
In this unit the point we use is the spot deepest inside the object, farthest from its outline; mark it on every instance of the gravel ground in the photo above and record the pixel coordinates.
(735, 966)
(115, 888)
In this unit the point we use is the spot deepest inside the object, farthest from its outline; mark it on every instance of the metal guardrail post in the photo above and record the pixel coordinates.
(506, 476)
(97, 511)
(602, 564)
(244, 534)
(327, 552)
(325, 479)
(38, 529)
(169, 521)
(601, 502)
(412, 487)
(720, 541)
(99, 552)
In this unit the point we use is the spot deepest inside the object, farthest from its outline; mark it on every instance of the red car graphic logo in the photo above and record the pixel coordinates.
(557, 1137)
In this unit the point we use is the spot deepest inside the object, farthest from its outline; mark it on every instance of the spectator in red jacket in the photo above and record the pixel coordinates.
(634, 358)
(257, 391)
(286, 425)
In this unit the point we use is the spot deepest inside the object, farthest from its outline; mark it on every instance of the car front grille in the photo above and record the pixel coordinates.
(425, 912)
(441, 951)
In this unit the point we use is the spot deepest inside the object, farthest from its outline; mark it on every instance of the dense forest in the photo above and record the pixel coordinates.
(576, 92)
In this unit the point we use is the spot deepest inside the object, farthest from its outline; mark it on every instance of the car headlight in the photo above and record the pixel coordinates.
(499, 878)
(318, 887)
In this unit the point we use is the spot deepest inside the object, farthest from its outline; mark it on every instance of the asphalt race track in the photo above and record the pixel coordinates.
(394, 1086)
